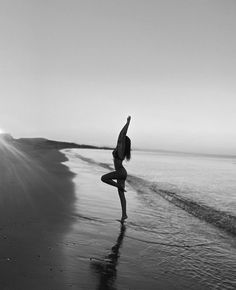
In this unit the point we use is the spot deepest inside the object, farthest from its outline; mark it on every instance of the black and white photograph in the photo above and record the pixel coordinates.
(117, 145)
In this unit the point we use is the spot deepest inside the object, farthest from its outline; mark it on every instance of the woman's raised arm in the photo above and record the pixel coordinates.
(121, 139)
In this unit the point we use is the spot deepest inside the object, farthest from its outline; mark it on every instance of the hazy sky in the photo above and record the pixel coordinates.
(73, 70)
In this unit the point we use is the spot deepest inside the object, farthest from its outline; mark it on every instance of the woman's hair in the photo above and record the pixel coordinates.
(127, 148)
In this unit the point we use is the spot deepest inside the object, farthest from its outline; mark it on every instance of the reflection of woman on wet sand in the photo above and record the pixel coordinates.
(121, 152)
(106, 268)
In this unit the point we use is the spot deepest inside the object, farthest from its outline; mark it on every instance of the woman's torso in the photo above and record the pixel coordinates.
(117, 161)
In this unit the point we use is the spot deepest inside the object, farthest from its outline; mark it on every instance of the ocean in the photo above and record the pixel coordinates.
(182, 210)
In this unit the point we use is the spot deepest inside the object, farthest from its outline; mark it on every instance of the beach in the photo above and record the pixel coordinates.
(141, 91)
(59, 230)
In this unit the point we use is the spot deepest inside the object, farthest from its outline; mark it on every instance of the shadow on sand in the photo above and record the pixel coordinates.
(106, 267)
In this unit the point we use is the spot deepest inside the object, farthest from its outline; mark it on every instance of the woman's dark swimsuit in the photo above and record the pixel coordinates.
(115, 155)
(118, 164)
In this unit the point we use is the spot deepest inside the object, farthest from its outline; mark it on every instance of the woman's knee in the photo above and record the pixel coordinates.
(103, 178)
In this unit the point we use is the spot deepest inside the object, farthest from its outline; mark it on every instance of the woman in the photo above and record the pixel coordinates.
(121, 152)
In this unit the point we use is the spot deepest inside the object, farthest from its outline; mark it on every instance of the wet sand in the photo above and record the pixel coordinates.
(161, 246)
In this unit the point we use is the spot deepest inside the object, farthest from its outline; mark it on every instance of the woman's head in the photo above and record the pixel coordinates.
(127, 148)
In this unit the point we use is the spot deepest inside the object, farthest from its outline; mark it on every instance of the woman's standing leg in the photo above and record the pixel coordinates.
(121, 182)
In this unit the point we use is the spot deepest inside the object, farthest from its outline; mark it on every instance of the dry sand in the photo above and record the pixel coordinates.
(36, 211)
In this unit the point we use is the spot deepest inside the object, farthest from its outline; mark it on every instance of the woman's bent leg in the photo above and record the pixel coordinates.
(108, 178)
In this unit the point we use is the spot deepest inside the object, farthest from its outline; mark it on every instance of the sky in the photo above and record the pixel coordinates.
(74, 70)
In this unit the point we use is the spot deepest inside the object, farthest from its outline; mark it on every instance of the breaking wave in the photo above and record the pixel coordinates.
(204, 212)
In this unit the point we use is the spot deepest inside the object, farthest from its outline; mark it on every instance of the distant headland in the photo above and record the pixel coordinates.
(43, 143)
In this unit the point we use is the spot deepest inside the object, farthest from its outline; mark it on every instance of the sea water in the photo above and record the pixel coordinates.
(209, 180)
(184, 219)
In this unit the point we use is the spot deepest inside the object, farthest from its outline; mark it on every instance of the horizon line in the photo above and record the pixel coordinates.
(224, 155)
